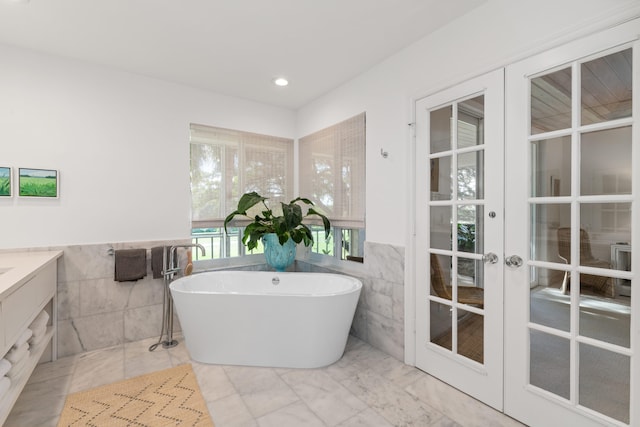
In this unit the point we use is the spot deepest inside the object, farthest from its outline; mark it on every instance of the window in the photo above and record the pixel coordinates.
(332, 175)
(225, 164)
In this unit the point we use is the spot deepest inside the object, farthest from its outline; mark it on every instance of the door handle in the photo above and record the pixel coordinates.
(513, 261)
(490, 258)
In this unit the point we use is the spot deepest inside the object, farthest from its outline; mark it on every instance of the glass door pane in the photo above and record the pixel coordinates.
(551, 101)
(580, 227)
(606, 88)
(459, 164)
(457, 231)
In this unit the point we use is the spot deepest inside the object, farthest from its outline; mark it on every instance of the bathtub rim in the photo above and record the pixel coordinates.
(355, 285)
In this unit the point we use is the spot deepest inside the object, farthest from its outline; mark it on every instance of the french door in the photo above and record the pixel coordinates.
(459, 134)
(571, 311)
(526, 215)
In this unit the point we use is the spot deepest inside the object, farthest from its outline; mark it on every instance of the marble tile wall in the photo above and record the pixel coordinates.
(95, 312)
(379, 318)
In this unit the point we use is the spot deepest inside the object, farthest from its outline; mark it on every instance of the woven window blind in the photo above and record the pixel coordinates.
(332, 171)
(227, 163)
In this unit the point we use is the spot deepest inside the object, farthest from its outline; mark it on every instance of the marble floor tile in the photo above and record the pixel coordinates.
(353, 361)
(459, 407)
(295, 415)
(397, 372)
(141, 347)
(40, 403)
(60, 368)
(98, 367)
(50, 388)
(393, 403)
(366, 418)
(366, 388)
(140, 361)
(179, 355)
(40, 417)
(249, 379)
(445, 422)
(327, 398)
(141, 364)
(231, 411)
(213, 381)
(261, 389)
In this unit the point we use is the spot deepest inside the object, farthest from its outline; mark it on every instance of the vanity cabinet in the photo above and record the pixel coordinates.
(22, 306)
(28, 285)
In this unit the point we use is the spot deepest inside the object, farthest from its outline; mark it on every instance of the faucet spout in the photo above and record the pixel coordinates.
(198, 245)
(174, 248)
(190, 245)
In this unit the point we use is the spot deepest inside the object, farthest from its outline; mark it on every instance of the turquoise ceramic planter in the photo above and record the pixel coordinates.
(278, 256)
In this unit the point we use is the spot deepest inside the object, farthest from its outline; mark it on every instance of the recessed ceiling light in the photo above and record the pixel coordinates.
(280, 81)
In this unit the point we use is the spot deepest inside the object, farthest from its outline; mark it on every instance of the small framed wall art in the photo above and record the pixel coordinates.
(5, 181)
(42, 183)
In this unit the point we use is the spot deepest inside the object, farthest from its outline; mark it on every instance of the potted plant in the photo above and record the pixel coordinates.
(279, 233)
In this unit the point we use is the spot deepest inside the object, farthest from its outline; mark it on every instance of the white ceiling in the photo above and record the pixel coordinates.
(233, 47)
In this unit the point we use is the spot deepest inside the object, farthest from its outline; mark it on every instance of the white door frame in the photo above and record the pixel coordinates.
(542, 44)
(483, 381)
(410, 288)
(521, 400)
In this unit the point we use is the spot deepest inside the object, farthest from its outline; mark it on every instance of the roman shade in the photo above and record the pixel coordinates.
(332, 171)
(227, 163)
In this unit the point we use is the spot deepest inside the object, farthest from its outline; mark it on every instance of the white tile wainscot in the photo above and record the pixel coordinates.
(28, 284)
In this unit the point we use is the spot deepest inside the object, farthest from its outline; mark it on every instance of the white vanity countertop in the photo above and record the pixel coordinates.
(17, 268)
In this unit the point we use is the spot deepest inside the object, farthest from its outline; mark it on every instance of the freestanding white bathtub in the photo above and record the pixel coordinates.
(256, 318)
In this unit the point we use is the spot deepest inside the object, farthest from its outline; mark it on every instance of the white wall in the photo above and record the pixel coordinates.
(491, 36)
(120, 141)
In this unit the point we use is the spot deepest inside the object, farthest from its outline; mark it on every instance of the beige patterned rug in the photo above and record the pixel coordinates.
(165, 398)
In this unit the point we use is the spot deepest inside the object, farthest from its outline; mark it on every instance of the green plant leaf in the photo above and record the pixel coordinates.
(292, 214)
(301, 199)
(325, 221)
(252, 234)
(297, 236)
(288, 225)
(282, 238)
(246, 202)
(307, 235)
(279, 225)
(249, 200)
(229, 218)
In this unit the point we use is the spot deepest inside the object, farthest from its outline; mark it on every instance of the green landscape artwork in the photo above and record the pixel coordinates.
(5, 182)
(38, 183)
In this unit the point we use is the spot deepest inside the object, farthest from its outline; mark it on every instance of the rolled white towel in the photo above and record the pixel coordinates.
(38, 334)
(42, 329)
(18, 369)
(36, 340)
(23, 338)
(41, 319)
(5, 383)
(16, 354)
(5, 365)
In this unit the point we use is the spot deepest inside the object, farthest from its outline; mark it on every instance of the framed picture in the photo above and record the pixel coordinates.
(38, 183)
(5, 181)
